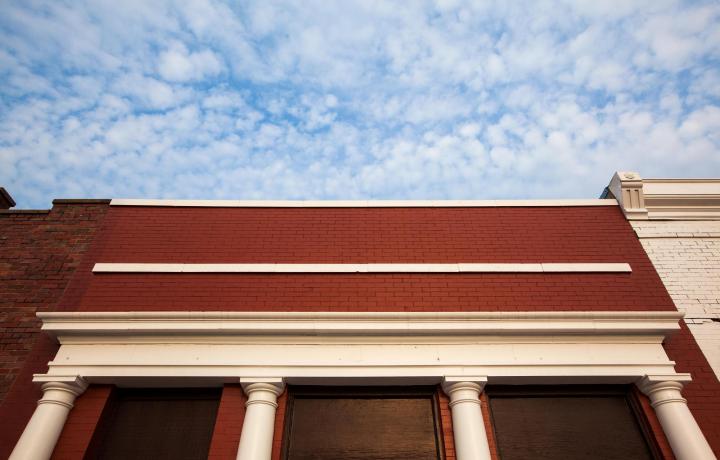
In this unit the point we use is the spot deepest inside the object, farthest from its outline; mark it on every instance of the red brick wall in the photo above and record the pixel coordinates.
(446, 424)
(228, 424)
(78, 431)
(656, 431)
(40, 253)
(382, 235)
(366, 235)
(489, 430)
(703, 393)
(370, 292)
(279, 426)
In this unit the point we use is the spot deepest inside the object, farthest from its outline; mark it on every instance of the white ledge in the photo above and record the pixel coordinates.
(359, 203)
(360, 348)
(358, 323)
(364, 268)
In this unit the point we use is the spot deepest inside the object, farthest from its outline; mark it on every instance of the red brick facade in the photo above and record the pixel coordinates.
(368, 235)
(228, 424)
(76, 438)
(703, 393)
(47, 248)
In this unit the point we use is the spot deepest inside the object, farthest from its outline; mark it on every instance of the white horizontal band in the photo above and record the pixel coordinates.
(359, 203)
(359, 348)
(176, 323)
(364, 268)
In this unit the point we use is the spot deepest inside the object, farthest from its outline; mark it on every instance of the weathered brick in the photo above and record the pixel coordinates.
(33, 248)
(686, 255)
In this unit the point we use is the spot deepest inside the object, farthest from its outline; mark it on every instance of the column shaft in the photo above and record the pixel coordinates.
(682, 431)
(38, 440)
(259, 424)
(468, 426)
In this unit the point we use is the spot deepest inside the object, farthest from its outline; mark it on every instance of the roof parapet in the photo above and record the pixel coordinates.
(6, 201)
(666, 199)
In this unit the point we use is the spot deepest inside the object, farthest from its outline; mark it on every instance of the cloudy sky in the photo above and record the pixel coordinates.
(353, 100)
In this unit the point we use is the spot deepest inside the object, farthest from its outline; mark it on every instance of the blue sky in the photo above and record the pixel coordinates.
(353, 100)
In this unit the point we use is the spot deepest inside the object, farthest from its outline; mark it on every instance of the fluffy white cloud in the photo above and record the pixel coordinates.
(360, 99)
(177, 64)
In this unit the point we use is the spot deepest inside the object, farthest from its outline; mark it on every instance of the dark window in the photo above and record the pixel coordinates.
(362, 424)
(563, 423)
(157, 424)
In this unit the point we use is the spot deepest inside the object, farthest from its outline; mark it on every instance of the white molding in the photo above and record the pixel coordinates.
(364, 268)
(69, 380)
(666, 199)
(351, 348)
(359, 203)
(357, 324)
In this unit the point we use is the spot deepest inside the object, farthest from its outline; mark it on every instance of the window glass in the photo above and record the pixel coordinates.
(566, 424)
(157, 424)
(361, 427)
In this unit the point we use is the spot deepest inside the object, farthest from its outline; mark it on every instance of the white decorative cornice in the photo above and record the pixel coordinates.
(142, 348)
(666, 199)
(65, 325)
(627, 187)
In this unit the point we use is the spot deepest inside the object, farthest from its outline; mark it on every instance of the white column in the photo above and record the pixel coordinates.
(259, 424)
(679, 425)
(468, 427)
(43, 430)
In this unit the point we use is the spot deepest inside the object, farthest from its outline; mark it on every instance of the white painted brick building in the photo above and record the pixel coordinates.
(678, 223)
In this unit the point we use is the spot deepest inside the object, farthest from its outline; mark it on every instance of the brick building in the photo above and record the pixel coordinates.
(678, 224)
(259, 330)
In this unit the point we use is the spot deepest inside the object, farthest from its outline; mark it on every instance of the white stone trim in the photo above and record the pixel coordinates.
(666, 199)
(364, 268)
(96, 325)
(360, 348)
(359, 203)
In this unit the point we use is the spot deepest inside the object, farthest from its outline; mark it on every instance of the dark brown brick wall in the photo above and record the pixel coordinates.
(39, 252)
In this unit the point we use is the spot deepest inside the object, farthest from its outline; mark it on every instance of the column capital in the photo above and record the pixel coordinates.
(260, 390)
(60, 389)
(72, 383)
(451, 384)
(464, 389)
(651, 384)
(272, 384)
